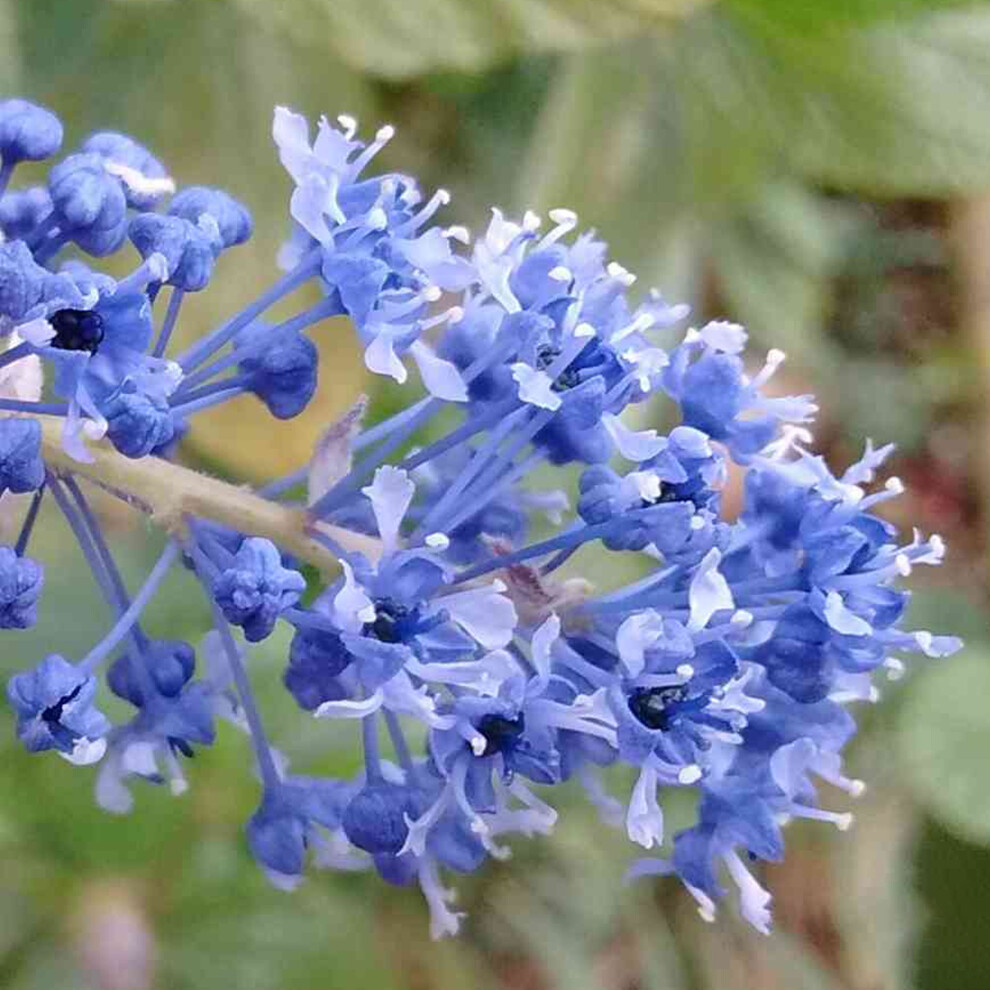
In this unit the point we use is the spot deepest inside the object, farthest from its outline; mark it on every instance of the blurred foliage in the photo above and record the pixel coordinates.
(785, 163)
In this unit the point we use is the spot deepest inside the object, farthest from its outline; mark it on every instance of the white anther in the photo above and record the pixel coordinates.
(685, 670)
(561, 274)
(442, 196)
(458, 233)
(478, 745)
(856, 788)
(697, 523)
(741, 618)
(938, 545)
(565, 217)
(895, 668)
(455, 314)
(431, 293)
(349, 124)
(385, 134)
(894, 485)
(620, 274)
(531, 221)
(689, 775)
(377, 219)
(584, 330)
(903, 564)
(843, 822)
(437, 541)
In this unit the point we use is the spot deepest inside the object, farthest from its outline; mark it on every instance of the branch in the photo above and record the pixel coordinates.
(169, 492)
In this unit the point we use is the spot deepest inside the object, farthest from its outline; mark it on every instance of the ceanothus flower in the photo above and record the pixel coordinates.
(55, 706)
(474, 673)
(21, 466)
(255, 588)
(27, 132)
(21, 584)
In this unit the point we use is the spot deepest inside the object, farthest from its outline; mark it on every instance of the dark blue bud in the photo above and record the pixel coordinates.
(316, 658)
(137, 423)
(232, 218)
(27, 132)
(120, 149)
(375, 818)
(22, 280)
(283, 374)
(253, 591)
(21, 583)
(22, 211)
(189, 251)
(400, 871)
(89, 203)
(277, 839)
(167, 664)
(21, 466)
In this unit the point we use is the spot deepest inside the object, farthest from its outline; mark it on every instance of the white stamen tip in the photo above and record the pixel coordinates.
(385, 133)
(478, 745)
(377, 219)
(458, 233)
(531, 221)
(685, 670)
(455, 314)
(347, 122)
(903, 564)
(689, 775)
(742, 618)
(697, 523)
(583, 330)
(367, 614)
(623, 275)
(561, 274)
(894, 485)
(438, 541)
(775, 357)
(431, 293)
(442, 197)
(856, 788)
(874, 695)
(844, 822)
(563, 216)
(937, 544)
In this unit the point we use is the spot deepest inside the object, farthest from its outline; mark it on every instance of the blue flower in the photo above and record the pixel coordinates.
(27, 132)
(189, 249)
(21, 466)
(88, 204)
(290, 821)
(22, 281)
(142, 176)
(23, 210)
(280, 370)
(55, 706)
(21, 583)
(255, 589)
(233, 220)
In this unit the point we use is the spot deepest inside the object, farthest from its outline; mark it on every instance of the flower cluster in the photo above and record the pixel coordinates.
(442, 625)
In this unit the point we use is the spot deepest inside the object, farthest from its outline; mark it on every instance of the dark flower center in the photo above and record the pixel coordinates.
(546, 354)
(77, 330)
(390, 618)
(53, 713)
(652, 705)
(501, 733)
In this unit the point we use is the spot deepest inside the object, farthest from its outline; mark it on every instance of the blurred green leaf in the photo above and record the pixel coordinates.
(943, 737)
(396, 38)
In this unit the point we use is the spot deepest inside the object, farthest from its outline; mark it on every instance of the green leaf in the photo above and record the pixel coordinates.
(943, 738)
(397, 38)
